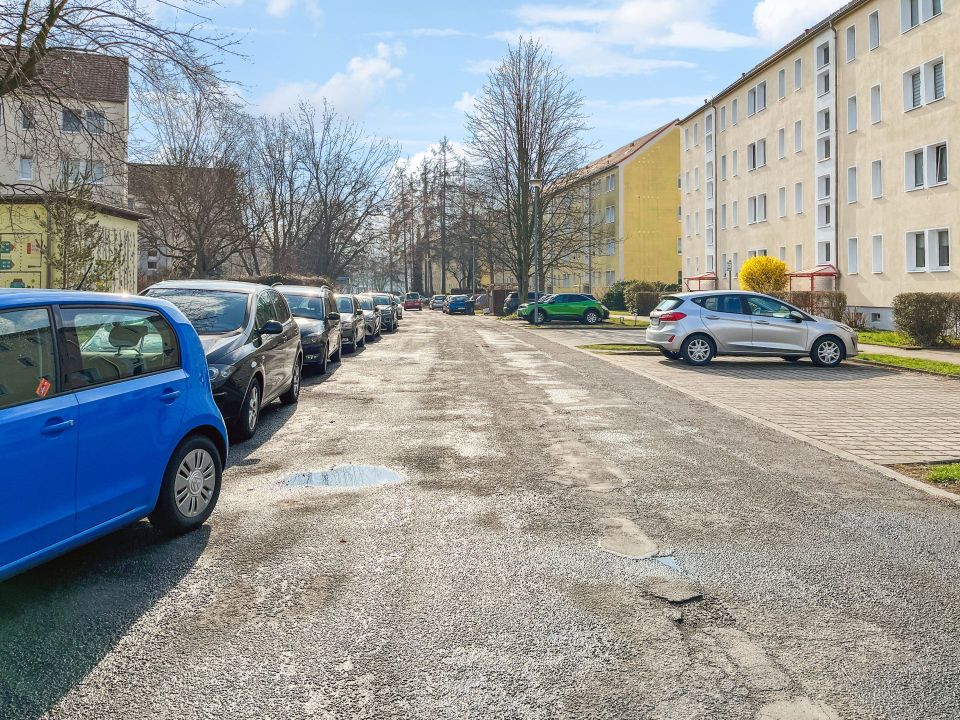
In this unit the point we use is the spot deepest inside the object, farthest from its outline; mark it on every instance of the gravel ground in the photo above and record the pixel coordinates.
(570, 541)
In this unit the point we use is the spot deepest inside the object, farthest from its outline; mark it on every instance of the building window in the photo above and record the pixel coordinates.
(798, 136)
(686, 138)
(936, 7)
(782, 143)
(823, 121)
(696, 223)
(853, 256)
(736, 213)
(798, 198)
(751, 210)
(723, 217)
(933, 71)
(609, 215)
(611, 182)
(798, 257)
(913, 166)
(851, 43)
(686, 184)
(71, 122)
(26, 119)
(876, 109)
(852, 120)
(937, 164)
(734, 111)
(876, 179)
(696, 178)
(823, 187)
(736, 163)
(679, 246)
(909, 14)
(96, 122)
(823, 215)
(782, 84)
(797, 74)
(942, 238)
(916, 251)
(823, 55)
(853, 192)
(723, 167)
(782, 202)
(823, 83)
(877, 257)
(874, 22)
(824, 254)
(709, 189)
(928, 250)
(26, 168)
(756, 154)
(823, 149)
(757, 209)
(696, 134)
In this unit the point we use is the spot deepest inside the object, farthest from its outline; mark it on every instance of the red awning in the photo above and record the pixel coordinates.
(825, 270)
(700, 279)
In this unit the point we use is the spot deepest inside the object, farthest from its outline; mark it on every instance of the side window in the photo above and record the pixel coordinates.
(105, 344)
(28, 369)
(280, 308)
(768, 307)
(729, 304)
(265, 310)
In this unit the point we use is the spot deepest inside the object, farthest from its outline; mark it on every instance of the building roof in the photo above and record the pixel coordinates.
(74, 74)
(779, 54)
(619, 155)
(101, 207)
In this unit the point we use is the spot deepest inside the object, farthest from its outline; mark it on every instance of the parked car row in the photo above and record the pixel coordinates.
(115, 408)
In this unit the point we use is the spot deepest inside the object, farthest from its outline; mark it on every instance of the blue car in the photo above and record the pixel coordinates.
(459, 304)
(106, 417)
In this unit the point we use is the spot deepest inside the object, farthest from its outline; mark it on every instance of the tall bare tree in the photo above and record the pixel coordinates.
(529, 123)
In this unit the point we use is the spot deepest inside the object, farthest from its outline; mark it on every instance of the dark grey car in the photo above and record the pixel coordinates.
(352, 331)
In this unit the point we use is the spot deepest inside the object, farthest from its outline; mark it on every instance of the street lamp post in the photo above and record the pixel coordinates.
(536, 184)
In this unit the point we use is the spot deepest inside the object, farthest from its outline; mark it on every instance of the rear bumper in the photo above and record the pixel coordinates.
(668, 338)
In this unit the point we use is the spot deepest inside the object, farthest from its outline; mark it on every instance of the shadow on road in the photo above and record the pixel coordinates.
(60, 619)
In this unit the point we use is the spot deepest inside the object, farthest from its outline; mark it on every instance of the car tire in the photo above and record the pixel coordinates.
(322, 370)
(292, 394)
(591, 317)
(791, 358)
(361, 339)
(698, 350)
(827, 351)
(190, 487)
(338, 355)
(540, 317)
(245, 426)
(669, 354)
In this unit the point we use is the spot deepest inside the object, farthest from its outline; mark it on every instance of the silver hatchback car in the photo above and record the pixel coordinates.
(698, 326)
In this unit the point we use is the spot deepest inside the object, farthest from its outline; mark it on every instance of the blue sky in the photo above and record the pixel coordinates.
(408, 70)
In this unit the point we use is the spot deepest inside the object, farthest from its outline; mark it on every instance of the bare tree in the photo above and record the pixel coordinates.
(529, 123)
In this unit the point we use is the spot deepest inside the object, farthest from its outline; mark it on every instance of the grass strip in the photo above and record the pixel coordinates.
(945, 473)
(618, 347)
(936, 367)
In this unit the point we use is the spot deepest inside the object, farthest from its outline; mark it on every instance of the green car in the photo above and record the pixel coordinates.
(566, 306)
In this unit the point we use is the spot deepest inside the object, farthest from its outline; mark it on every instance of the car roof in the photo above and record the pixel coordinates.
(14, 297)
(304, 289)
(702, 293)
(225, 285)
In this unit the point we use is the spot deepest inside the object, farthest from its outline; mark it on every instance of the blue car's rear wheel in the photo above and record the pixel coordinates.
(190, 487)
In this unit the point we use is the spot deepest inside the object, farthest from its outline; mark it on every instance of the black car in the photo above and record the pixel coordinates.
(315, 310)
(389, 314)
(352, 328)
(251, 341)
(512, 302)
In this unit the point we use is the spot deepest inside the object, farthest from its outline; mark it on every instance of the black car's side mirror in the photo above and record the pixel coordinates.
(796, 317)
(333, 317)
(272, 327)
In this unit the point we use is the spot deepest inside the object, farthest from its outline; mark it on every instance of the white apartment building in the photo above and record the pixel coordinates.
(833, 155)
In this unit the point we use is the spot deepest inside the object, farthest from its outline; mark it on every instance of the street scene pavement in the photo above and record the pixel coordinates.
(562, 538)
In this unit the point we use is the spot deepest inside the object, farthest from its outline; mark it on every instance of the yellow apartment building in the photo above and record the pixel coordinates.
(631, 227)
(832, 154)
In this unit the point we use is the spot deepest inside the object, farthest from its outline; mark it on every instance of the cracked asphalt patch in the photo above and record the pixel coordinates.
(480, 588)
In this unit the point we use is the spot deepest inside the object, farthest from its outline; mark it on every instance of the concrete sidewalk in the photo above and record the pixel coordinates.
(950, 356)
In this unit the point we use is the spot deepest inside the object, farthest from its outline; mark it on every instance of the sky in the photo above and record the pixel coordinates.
(410, 70)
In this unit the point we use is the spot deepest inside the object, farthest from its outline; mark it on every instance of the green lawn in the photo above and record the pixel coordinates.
(945, 473)
(930, 366)
(890, 338)
(626, 320)
(619, 347)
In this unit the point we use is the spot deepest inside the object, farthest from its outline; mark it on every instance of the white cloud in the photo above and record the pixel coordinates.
(435, 32)
(454, 150)
(279, 8)
(350, 92)
(466, 103)
(778, 21)
(610, 38)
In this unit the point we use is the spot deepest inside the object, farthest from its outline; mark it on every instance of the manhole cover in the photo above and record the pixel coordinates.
(345, 476)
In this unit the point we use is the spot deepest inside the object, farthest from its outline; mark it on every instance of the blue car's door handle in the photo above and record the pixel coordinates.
(55, 426)
(168, 396)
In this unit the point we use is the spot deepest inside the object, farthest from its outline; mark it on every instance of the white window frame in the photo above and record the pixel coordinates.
(21, 175)
(933, 165)
(798, 198)
(873, 23)
(736, 213)
(736, 164)
(609, 216)
(782, 143)
(798, 136)
(876, 104)
(782, 202)
(798, 74)
(853, 119)
(851, 42)
(853, 256)
(876, 257)
(782, 83)
(876, 179)
(853, 189)
(723, 168)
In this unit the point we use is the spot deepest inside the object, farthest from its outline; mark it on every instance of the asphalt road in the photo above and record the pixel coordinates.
(500, 579)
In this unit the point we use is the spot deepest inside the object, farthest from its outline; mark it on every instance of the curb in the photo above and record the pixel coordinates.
(928, 373)
(881, 469)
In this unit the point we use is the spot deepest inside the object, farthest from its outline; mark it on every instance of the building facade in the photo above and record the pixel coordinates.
(833, 155)
(631, 225)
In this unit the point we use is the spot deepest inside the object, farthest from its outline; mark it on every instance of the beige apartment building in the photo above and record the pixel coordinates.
(833, 155)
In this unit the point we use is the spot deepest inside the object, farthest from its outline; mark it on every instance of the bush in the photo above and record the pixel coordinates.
(764, 274)
(640, 298)
(287, 279)
(825, 303)
(613, 298)
(926, 318)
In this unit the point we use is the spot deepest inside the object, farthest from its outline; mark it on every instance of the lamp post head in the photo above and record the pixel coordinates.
(536, 183)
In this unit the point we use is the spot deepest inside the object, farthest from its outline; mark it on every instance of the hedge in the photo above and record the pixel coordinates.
(287, 279)
(927, 318)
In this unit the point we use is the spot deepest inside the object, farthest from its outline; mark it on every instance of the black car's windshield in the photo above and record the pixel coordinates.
(345, 305)
(366, 303)
(382, 299)
(310, 307)
(212, 312)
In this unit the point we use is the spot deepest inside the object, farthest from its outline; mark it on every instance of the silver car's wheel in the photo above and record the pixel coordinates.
(697, 350)
(195, 483)
(827, 352)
